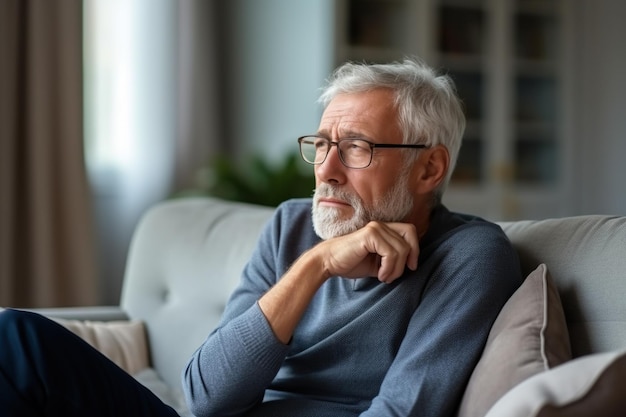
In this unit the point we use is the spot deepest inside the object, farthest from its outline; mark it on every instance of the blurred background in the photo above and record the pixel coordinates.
(110, 106)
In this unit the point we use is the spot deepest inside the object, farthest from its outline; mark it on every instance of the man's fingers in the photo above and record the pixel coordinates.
(382, 250)
(409, 234)
(397, 246)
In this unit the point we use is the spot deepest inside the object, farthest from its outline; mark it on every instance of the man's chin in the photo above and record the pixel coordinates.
(329, 231)
(331, 222)
(332, 213)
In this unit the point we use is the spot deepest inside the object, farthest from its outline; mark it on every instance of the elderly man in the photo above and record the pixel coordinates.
(379, 303)
(370, 299)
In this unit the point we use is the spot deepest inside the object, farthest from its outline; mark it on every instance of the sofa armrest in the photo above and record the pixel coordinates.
(95, 313)
(109, 330)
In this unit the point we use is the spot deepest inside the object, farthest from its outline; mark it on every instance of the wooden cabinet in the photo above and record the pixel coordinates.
(508, 59)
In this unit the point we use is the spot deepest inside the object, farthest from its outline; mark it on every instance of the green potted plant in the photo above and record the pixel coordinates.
(257, 182)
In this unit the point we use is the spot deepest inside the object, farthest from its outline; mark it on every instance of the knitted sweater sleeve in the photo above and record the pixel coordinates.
(229, 372)
(472, 274)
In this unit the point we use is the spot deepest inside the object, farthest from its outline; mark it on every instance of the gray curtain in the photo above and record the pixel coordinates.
(200, 132)
(46, 232)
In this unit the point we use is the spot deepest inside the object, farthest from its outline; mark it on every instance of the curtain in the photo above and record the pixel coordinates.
(152, 112)
(46, 231)
(200, 133)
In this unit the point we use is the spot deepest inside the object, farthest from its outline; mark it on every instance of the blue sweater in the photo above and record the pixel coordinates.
(363, 347)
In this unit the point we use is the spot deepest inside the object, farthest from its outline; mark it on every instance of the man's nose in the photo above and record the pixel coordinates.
(332, 170)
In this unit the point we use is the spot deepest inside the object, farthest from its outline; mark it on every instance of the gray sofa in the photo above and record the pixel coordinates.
(187, 254)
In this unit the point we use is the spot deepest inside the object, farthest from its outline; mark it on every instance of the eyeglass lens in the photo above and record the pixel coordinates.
(354, 153)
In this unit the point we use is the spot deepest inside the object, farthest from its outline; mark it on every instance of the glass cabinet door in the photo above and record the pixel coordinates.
(506, 59)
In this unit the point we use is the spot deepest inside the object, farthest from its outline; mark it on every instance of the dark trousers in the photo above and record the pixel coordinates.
(45, 370)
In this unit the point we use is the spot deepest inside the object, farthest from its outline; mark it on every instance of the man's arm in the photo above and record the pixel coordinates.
(229, 373)
(381, 250)
(447, 332)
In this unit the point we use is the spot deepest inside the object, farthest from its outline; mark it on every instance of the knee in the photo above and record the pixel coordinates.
(9, 326)
(14, 322)
(9, 317)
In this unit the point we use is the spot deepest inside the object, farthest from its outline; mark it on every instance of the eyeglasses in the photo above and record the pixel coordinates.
(353, 153)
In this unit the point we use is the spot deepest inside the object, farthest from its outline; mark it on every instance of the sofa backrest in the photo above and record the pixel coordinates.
(185, 259)
(187, 255)
(586, 257)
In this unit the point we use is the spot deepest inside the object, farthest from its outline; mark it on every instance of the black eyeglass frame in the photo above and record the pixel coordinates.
(372, 145)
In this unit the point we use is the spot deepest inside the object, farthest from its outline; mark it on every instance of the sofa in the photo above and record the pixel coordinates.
(557, 349)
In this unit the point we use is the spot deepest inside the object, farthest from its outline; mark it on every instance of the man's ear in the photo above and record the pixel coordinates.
(432, 168)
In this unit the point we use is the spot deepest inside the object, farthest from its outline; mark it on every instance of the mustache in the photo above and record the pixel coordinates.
(331, 191)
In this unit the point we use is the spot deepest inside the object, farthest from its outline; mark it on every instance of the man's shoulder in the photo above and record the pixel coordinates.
(294, 209)
(471, 240)
(466, 229)
(296, 205)
(292, 226)
(444, 221)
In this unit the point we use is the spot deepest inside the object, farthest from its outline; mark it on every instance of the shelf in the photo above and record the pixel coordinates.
(536, 161)
(470, 88)
(374, 55)
(377, 23)
(530, 130)
(508, 74)
(537, 7)
(460, 62)
(532, 68)
(468, 168)
(535, 36)
(536, 99)
(461, 30)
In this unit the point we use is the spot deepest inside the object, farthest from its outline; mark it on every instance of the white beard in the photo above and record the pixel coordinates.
(327, 222)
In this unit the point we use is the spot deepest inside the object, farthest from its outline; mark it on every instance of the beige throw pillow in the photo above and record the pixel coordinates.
(124, 342)
(592, 385)
(529, 336)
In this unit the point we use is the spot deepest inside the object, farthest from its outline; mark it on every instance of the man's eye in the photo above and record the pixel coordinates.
(320, 144)
(358, 145)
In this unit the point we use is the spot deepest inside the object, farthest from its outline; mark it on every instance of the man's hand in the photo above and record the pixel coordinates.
(379, 250)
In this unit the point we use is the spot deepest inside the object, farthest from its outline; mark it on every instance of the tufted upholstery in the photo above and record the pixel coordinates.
(184, 261)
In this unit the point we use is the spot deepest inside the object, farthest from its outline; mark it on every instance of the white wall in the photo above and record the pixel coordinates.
(280, 53)
(601, 107)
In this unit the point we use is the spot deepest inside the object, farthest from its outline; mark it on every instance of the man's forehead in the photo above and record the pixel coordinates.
(358, 115)
(342, 133)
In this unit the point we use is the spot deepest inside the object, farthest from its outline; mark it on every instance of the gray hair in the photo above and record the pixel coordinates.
(429, 110)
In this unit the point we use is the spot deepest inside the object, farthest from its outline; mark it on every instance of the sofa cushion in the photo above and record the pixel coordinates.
(529, 336)
(585, 255)
(591, 385)
(124, 342)
(173, 397)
